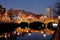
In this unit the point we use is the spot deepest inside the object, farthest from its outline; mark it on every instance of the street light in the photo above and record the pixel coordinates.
(58, 17)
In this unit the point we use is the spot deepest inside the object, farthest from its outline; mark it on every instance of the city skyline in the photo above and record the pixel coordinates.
(35, 6)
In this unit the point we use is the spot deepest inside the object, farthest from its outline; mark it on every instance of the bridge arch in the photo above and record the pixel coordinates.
(37, 25)
(52, 25)
(24, 25)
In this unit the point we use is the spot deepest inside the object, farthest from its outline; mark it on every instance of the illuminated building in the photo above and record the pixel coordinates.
(48, 12)
(2, 11)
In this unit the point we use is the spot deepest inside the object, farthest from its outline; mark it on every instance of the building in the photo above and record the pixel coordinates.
(2, 11)
(48, 12)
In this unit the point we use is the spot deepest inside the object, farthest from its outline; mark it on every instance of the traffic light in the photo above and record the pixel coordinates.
(52, 26)
(37, 25)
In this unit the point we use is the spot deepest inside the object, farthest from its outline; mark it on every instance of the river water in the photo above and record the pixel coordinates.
(34, 36)
(31, 36)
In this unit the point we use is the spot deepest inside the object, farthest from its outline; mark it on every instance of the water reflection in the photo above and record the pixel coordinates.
(28, 36)
(34, 36)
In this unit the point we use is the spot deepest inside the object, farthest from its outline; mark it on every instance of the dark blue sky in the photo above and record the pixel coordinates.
(36, 6)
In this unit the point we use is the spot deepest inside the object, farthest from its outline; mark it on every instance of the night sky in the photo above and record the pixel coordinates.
(35, 6)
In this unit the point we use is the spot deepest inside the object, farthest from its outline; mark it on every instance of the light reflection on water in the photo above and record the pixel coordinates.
(34, 36)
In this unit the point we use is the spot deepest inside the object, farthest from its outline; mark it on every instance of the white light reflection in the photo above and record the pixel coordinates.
(27, 31)
(44, 35)
(5, 36)
(42, 32)
(29, 34)
(55, 24)
(18, 33)
(14, 32)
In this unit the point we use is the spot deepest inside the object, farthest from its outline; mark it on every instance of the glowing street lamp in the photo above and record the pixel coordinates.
(59, 17)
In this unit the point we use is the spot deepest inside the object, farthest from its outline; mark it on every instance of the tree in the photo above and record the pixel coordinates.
(2, 10)
(56, 9)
